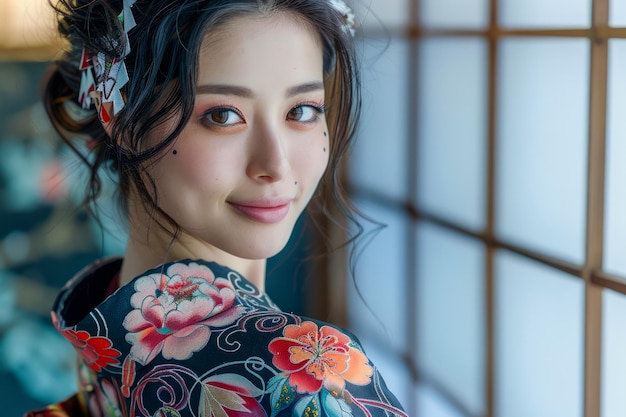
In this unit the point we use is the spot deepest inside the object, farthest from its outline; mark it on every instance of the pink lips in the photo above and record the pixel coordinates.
(264, 211)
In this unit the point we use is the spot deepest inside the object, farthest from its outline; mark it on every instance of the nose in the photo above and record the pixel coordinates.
(268, 157)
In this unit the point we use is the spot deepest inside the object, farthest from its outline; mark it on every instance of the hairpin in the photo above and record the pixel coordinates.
(102, 77)
(349, 17)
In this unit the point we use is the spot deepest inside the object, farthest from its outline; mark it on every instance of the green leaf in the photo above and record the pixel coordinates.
(307, 407)
(335, 407)
(282, 395)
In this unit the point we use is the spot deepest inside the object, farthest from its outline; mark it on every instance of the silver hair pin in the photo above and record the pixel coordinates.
(348, 15)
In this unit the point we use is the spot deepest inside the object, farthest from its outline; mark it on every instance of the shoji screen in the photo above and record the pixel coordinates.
(493, 146)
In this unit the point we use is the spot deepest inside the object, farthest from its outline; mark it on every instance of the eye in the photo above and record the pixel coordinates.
(305, 113)
(222, 117)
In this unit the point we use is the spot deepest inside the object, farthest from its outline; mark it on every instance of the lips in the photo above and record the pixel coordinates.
(266, 211)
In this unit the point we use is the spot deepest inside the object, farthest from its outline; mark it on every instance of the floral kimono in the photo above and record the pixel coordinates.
(193, 338)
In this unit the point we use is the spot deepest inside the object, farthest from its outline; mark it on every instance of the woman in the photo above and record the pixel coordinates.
(221, 118)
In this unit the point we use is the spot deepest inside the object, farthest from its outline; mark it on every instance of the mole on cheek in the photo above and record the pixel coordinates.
(174, 151)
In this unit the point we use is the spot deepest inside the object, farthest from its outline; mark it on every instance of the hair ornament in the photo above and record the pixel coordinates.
(102, 77)
(349, 17)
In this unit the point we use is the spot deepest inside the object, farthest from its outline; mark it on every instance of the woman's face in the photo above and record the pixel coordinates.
(250, 158)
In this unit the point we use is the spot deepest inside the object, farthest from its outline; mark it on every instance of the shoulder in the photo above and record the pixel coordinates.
(271, 363)
(326, 370)
(218, 345)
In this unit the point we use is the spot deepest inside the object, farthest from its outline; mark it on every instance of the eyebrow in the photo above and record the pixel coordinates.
(233, 90)
(227, 90)
(305, 88)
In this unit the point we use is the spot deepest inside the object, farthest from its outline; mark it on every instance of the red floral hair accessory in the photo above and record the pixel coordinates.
(102, 76)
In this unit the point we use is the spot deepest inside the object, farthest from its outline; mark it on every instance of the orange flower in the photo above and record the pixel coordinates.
(314, 357)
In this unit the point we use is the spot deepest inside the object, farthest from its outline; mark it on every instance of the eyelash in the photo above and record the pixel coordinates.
(205, 118)
(318, 108)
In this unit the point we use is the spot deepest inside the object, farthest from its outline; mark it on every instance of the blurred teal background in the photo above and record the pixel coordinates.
(42, 243)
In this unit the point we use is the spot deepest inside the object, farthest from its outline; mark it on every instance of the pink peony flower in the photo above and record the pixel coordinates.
(174, 312)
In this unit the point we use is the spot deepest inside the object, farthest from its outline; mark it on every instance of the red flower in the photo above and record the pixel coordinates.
(96, 351)
(314, 357)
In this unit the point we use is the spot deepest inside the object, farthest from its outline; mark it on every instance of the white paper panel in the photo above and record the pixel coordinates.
(450, 318)
(375, 14)
(539, 320)
(431, 404)
(542, 144)
(379, 159)
(617, 13)
(454, 14)
(615, 203)
(381, 276)
(613, 358)
(452, 126)
(545, 13)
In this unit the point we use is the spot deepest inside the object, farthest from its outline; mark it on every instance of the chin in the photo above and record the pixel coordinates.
(263, 248)
(260, 252)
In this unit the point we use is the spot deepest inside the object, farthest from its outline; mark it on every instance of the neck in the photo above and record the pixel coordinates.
(146, 250)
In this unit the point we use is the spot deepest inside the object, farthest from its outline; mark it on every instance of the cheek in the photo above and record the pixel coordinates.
(187, 169)
(325, 154)
(313, 161)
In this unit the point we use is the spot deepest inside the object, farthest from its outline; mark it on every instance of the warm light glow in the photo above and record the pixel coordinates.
(26, 24)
